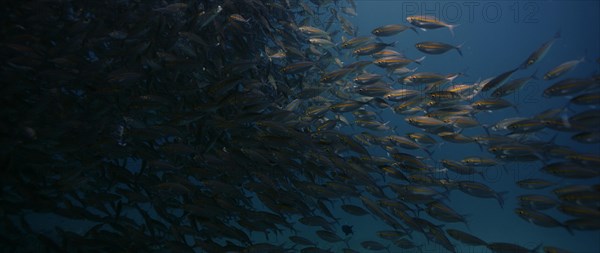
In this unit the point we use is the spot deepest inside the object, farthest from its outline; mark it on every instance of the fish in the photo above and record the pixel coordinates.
(301, 240)
(562, 69)
(429, 22)
(354, 210)
(346, 106)
(425, 122)
(552, 249)
(372, 48)
(182, 127)
(540, 219)
(512, 86)
(430, 47)
(427, 78)
(390, 30)
(297, 67)
(367, 78)
(442, 212)
(373, 245)
(536, 202)
(465, 237)
(498, 80)
(570, 170)
(347, 230)
(238, 18)
(480, 190)
(539, 53)
(567, 86)
(323, 43)
(313, 31)
(503, 247)
(335, 75)
(460, 168)
(535, 183)
(387, 53)
(357, 42)
(394, 62)
(491, 104)
(579, 211)
(587, 99)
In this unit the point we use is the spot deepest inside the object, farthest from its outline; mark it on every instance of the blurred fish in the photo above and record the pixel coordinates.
(540, 219)
(347, 230)
(512, 86)
(480, 190)
(536, 202)
(567, 87)
(465, 237)
(503, 247)
(373, 246)
(551, 249)
(498, 80)
(538, 54)
(562, 69)
(534, 184)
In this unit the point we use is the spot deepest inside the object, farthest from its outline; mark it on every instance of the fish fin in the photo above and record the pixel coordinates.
(414, 29)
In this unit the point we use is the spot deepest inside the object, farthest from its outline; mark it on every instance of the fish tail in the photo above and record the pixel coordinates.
(458, 49)
(418, 61)
(451, 28)
(500, 198)
(414, 29)
(568, 228)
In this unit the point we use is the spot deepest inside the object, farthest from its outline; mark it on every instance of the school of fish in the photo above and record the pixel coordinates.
(192, 126)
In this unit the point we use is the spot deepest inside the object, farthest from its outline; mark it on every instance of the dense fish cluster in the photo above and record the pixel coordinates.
(193, 126)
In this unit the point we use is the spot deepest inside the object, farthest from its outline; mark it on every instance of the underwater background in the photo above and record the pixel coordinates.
(239, 126)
